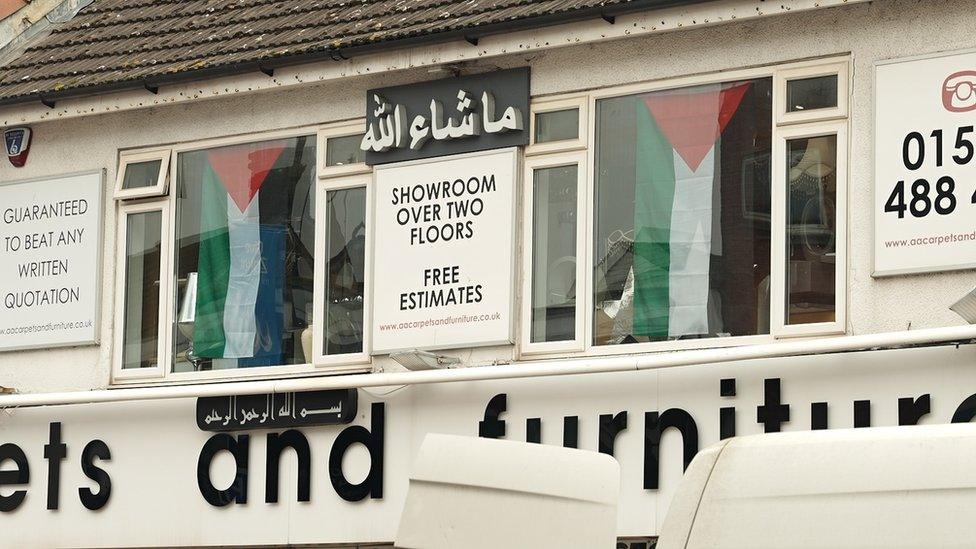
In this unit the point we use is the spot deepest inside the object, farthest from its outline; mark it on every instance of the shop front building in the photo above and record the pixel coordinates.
(251, 255)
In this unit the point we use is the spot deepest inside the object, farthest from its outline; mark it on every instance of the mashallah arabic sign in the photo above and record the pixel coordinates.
(50, 242)
(450, 116)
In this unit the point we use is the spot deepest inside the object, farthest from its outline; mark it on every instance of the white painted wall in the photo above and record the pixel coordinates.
(870, 32)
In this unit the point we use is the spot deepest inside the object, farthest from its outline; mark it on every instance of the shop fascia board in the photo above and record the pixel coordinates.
(955, 335)
(399, 58)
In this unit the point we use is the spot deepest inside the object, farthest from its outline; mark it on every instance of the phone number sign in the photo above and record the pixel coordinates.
(925, 164)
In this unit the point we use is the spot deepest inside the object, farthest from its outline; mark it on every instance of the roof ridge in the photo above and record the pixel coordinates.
(133, 66)
(55, 45)
(27, 60)
(331, 4)
(139, 4)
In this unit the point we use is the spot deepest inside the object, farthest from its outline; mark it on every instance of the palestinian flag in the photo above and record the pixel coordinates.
(240, 269)
(678, 160)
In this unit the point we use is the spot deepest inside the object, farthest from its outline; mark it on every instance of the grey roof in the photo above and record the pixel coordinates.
(122, 44)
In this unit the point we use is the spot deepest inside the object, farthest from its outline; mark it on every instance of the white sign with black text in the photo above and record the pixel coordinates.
(443, 261)
(50, 242)
(925, 164)
(127, 472)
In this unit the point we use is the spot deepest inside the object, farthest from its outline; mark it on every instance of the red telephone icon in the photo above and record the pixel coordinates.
(959, 92)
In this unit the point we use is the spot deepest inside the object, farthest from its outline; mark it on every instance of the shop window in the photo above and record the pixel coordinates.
(142, 229)
(227, 273)
(811, 225)
(707, 214)
(142, 174)
(805, 94)
(342, 218)
(554, 202)
(811, 249)
(714, 214)
(678, 254)
(812, 91)
(343, 151)
(556, 125)
(245, 241)
(339, 151)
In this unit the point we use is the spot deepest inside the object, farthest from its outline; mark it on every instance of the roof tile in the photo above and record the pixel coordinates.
(112, 42)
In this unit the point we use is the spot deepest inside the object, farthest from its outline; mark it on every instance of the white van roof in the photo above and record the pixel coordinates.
(892, 487)
(479, 493)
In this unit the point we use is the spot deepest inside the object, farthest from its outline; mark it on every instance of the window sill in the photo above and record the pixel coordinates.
(597, 351)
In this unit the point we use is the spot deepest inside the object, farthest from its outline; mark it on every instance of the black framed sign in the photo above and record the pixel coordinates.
(449, 116)
(276, 410)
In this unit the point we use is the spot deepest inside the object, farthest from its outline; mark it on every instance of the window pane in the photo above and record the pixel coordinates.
(682, 229)
(342, 151)
(141, 313)
(807, 94)
(141, 174)
(811, 230)
(554, 254)
(345, 285)
(556, 125)
(244, 255)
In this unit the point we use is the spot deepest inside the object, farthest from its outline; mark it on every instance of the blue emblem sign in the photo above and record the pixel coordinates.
(17, 141)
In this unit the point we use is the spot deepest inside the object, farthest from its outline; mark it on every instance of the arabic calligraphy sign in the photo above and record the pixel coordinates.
(276, 410)
(450, 116)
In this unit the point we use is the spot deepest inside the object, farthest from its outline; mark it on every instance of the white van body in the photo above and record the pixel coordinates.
(894, 487)
(476, 493)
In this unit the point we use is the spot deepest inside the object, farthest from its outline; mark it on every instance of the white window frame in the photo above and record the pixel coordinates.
(553, 104)
(134, 157)
(803, 71)
(631, 89)
(780, 261)
(777, 73)
(162, 374)
(532, 164)
(124, 211)
(339, 129)
(347, 361)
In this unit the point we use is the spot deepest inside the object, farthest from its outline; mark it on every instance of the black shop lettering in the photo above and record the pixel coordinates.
(441, 211)
(55, 451)
(442, 287)
(38, 212)
(772, 414)
(239, 449)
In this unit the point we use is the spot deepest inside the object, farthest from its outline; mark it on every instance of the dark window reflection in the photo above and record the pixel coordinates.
(554, 254)
(140, 324)
(141, 174)
(806, 94)
(342, 151)
(345, 284)
(556, 125)
(811, 230)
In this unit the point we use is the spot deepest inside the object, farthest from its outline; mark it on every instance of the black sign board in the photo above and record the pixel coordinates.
(276, 410)
(450, 116)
